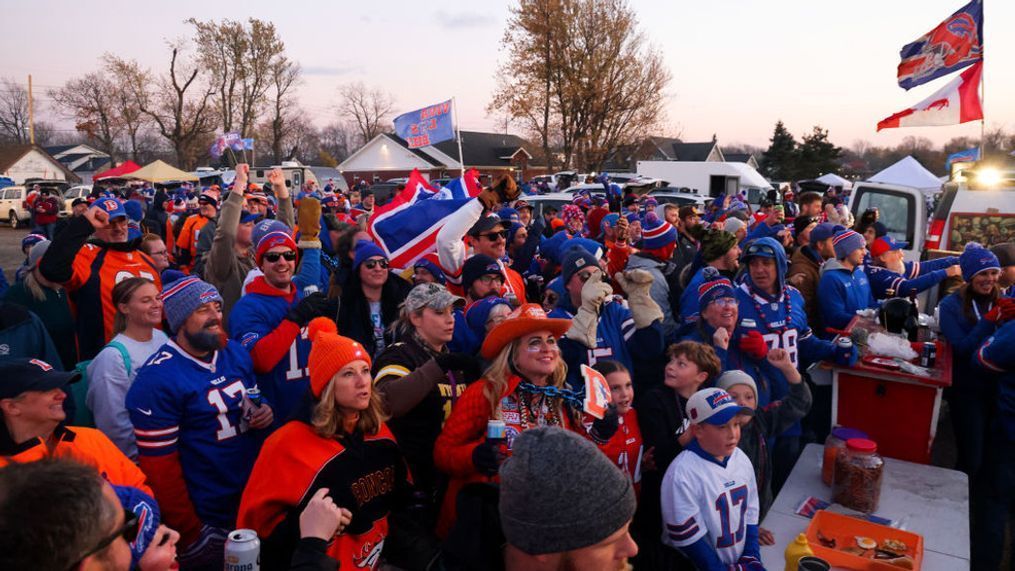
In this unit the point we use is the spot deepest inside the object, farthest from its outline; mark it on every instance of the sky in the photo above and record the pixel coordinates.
(738, 66)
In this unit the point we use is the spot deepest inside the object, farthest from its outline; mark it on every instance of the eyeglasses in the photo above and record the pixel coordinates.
(494, 236)
(159, 253)
(490, 278)
(725, 302)
(128, 531)
(371, 264)
(273, 257)
(586, 276)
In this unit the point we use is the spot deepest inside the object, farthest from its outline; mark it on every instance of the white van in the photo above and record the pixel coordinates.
(12, 205)
(72, 194)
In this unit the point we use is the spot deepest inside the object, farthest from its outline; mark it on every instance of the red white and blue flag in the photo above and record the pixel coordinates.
(957, 102)
(952, 45)
(406, 227)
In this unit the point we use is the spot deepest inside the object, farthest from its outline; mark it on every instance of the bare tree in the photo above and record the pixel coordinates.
(13, 111)
(178, 103)
(239, 59)
(91, 101)
(369, 108)
(285, 76)
(337, 141)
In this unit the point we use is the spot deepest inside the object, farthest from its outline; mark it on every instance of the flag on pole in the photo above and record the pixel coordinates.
(426, 126)
(957, 102)
(406, 227)
(952, 45)
(965, 156)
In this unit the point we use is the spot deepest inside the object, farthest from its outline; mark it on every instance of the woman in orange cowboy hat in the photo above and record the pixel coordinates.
(524, 388)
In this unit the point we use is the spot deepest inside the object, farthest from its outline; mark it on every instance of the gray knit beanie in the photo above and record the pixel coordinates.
(183, 296)
(559, 493)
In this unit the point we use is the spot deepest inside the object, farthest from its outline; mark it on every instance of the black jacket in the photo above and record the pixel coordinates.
(354, 314)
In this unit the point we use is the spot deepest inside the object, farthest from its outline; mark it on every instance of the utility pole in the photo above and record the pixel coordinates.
(31, 113)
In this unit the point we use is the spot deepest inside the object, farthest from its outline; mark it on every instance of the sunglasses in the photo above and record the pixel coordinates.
(494, 236)
(273, 257)
(586, 276)
(760, 249)
(128, 531)
(371, 264)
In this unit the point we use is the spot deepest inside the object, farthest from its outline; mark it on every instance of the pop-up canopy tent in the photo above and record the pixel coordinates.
(909, 172)
(126, 168)
(832, 179)
(160, 171)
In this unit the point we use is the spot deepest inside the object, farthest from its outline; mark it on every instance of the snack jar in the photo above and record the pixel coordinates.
(858, 474)
(834, 444)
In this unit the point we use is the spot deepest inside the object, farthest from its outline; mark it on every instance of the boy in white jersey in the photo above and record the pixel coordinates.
(709, 496)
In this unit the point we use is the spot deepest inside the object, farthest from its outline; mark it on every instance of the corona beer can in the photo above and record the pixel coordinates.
(243, 551)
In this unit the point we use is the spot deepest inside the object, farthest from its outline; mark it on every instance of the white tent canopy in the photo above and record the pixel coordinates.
(909, 172)
(832, 179)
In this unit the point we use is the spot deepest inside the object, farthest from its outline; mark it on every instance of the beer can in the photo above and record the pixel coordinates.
(254, 395)
(928, 356)
(243, 551)
(844, 342)
(496, 430)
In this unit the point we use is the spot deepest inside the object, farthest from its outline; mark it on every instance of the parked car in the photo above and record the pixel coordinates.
(72, 194)
(541, 202)
(383, 191)
(13, 206)
(979, 206)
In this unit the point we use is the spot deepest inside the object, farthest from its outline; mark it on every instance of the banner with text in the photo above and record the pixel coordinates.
(426, 126)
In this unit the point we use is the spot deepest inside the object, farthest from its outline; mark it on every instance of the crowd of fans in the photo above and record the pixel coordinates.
(179, 364)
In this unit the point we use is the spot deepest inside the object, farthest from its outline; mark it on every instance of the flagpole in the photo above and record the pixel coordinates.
(458, 134)
(983, 85)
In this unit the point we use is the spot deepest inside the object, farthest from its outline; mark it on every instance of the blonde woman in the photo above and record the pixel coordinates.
(523, 387)
(341, 445)
(137, 329)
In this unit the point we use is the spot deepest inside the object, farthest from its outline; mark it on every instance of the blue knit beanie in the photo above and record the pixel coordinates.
(265, 227)
(134, 210)
(478, 312)
(435, 270)
(846, 242)
(714, 287)
(365, 249)
(975, 259)
(657, 233)
(183, 297)
(148, 518)
(575, 259)
(590, 246)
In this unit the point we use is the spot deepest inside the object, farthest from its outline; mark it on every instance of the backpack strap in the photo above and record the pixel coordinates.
(123, 353)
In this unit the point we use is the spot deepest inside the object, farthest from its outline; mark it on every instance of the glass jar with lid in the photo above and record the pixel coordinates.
(834, 444)
(858, 474)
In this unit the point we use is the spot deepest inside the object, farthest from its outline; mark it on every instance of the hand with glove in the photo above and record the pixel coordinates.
(622, 226)
(309, 219)
(502, 192)
(487, 457)
(845, 356)
(314, 305)
(467, 364)
(604, 428)
(1003, 310)
(586, 319)
(753, 345)
(638, 285)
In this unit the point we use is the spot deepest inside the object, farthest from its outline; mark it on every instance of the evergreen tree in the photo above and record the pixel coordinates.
(817, 155)
(779, 162)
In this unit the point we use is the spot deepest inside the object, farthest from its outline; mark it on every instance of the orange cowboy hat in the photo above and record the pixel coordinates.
(528, 318)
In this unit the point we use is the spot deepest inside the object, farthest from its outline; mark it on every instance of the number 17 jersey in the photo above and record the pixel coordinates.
(181, 404)
(704, 498)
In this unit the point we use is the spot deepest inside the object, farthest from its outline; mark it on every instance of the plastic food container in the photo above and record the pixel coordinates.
(834, 444)
(844, 530)
(856, 482)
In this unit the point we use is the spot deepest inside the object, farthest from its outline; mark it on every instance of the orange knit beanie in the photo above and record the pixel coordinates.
(329, 352)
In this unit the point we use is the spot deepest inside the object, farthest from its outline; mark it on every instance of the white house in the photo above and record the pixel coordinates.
(82, 160)
(21, 162)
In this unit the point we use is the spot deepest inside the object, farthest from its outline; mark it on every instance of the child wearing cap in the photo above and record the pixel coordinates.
(769, 421)
(709, 494)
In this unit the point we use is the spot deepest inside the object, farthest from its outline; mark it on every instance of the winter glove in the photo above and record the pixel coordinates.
(309, 220)
(487, 457)
(463, 362)
(1002, 311)
(502, 192)
(206, 551)
(314, 305)
(753, 345)
(638, 285)
(845, 356)
(604, 428)
(586, 319)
